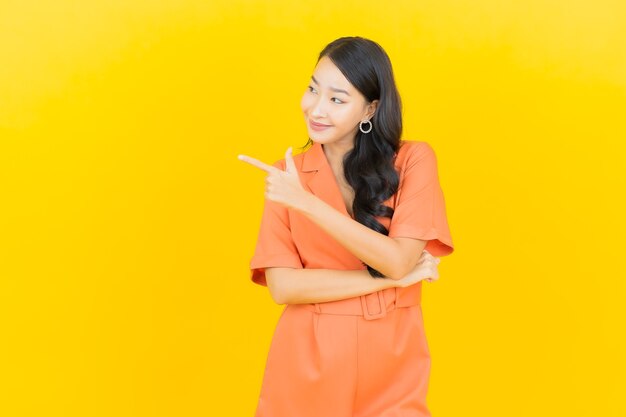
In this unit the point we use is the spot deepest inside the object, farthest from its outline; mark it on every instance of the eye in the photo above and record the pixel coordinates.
(335, 98)
(311, 89)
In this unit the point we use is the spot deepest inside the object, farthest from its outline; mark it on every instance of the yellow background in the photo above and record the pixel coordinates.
(127, 222)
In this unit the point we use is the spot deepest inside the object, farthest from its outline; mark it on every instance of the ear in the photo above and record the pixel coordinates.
(371, 109)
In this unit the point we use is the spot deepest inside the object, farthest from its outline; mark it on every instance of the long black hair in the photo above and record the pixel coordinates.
(369, 166)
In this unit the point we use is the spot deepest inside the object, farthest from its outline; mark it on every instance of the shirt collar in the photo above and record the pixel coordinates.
(314, 159)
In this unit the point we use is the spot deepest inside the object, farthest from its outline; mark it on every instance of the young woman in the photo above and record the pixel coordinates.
(350, 228)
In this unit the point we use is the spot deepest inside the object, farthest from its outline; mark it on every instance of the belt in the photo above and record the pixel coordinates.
(372, 306)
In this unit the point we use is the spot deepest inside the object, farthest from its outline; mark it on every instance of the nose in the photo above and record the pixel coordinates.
(318, 110)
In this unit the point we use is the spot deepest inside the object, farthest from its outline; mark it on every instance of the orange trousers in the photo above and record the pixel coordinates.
(365, 356)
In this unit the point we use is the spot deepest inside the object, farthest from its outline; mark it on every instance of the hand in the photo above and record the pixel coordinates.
(283, 187)
(426, 268)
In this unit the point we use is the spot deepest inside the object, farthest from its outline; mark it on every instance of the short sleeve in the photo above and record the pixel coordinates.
(420, 210)
(275, 246)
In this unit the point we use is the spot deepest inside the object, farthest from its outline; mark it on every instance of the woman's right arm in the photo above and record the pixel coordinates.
(298, 286)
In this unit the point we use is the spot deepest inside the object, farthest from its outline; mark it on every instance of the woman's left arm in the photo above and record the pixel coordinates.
(393, 257)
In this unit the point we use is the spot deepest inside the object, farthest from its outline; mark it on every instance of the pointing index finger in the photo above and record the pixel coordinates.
(262, 165)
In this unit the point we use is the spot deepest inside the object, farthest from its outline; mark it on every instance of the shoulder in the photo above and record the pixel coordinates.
(414, 151)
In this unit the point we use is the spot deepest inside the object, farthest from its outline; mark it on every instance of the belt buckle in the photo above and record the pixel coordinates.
(381, 302)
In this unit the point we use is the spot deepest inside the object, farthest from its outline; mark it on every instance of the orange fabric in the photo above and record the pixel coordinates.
(363, 356)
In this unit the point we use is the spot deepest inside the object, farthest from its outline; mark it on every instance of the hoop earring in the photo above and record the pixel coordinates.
(361, 126)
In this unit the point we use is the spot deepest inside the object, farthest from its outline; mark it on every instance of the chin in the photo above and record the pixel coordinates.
(320, 138)
(315, 134)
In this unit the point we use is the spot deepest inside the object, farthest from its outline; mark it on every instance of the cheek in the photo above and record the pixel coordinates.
(346, 114)
(306, 102)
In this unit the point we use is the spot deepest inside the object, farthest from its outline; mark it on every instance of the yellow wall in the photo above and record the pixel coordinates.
(127, 222)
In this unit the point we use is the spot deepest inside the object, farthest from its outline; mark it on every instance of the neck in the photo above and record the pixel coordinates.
(335, 152)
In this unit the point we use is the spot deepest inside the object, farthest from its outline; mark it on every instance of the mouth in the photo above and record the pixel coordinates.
(318, 125)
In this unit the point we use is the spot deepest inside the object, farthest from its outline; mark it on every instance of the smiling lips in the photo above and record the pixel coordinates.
(317, 126)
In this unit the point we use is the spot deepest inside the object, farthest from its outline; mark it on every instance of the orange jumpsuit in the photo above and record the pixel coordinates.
(364, 356)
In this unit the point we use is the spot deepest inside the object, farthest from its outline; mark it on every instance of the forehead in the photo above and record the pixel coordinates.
(328, 75)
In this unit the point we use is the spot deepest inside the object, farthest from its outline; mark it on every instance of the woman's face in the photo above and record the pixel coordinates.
(331, 100)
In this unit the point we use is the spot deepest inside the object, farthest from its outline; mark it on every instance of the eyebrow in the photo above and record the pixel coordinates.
(337, 90)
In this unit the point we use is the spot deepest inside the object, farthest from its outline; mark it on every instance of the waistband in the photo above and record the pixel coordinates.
(372, 306)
